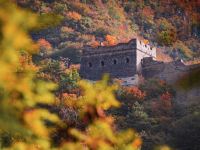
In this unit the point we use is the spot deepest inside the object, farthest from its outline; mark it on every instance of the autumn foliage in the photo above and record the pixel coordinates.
(148, 12)
(110, 40)
(166, 99)
(133, 93)
(95, 44)
(74, 15)
(44, 44)
(163, 105)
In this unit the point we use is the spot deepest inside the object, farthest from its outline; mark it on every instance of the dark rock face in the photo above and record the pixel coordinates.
(119, 61)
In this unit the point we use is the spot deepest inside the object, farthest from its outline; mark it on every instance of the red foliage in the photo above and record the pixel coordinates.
(163, 105)
(162, 82)
(110, 40)
(166, 100)
(136, 92)
(44, 44)
(95, 44)
(148, 12)
(166, 96)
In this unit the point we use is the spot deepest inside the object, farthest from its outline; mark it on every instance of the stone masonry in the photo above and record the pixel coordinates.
(119, 61)
(170, 72)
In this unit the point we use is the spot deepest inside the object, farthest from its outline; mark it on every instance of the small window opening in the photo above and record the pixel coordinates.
(127, 60)
(114, 61)
(90, 64)
(102, 63)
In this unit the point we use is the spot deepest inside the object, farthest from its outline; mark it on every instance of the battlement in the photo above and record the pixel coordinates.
(133, 44)
(88, 50)
(146, 49)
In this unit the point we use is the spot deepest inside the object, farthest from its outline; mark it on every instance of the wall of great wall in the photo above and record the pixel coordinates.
(170, 72)
(120, 61)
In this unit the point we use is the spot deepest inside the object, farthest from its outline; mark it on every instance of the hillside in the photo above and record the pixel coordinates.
(173, 26)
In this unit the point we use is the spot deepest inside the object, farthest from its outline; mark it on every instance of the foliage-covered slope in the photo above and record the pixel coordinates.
(174, 24)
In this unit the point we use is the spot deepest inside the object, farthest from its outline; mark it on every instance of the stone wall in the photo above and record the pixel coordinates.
(170, 72)
(119, 61)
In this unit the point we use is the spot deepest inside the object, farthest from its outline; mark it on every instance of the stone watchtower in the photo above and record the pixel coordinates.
(121, 61)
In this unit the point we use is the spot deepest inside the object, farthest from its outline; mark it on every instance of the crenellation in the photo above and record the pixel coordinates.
(106, 49)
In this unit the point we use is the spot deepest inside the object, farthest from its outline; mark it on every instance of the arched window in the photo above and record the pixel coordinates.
(127, 60)
(102, 63)
(114, 61)
(90, 64)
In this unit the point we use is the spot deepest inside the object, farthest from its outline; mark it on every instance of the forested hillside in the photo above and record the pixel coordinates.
(172, 26)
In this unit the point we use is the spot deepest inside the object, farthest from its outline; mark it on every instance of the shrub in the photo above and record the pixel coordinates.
(95, 44)
(137, 111)
(45, 8)
(131, 94)
(74, 15)
(110, 40)
(45, 47)
(59, 8)
(44, 44)
(154, 88)
(86, 38)
(69, 80)
(130, 6)
(166, 100)
(101, 32)
(148, 13)
(135, 92)
(66, 29)
(166, 37)
(166, 33)
(86, 23)
(114, 13)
